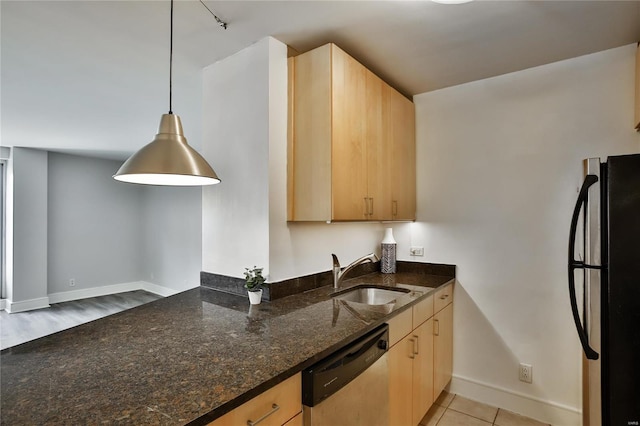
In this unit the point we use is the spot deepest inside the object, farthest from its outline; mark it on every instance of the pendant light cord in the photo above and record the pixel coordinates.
(218, 20)
(171, 58)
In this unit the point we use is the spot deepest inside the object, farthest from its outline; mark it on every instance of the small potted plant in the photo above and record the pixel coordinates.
(253, 283)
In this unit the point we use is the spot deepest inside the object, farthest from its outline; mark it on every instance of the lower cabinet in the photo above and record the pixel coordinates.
(443, 348)
(422, 371)
(280, 405)
(420, 358)
(411, 369)
(296, 421)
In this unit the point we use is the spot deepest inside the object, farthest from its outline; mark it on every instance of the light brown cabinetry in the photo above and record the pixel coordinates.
(637, 115)
(420, 357)
(411, 366)
(443, 340)
(422, 371)
(296, 421)
(274, 407)
(346, 125)
(401, 133)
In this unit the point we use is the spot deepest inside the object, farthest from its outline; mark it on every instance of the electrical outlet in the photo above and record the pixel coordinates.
(416, 251)
(72, 282)
(526, 373)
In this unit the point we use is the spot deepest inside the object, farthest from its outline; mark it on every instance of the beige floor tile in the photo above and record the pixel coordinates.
(432, 416)
(444, 399)
(454, 418)
(507, 418)
(473, 408)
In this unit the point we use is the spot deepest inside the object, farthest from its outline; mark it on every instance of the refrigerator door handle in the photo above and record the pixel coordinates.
(577, 264)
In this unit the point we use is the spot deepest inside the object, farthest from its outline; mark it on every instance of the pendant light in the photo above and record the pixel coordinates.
(168, 160)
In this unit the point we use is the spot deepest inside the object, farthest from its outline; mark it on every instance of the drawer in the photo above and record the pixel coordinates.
(422, 311)
(400, 326)
(296, 421)
(274, 406)
(443, 297)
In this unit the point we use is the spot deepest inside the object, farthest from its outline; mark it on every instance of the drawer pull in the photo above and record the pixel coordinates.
(275, 407)
(416, 345)
(437, 324)
(444, 297)
(413, 352)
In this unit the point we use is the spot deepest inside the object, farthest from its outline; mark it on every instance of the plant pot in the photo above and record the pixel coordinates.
(255, 297)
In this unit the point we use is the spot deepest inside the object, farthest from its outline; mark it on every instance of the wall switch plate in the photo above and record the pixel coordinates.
(526, 373)
(416, 251)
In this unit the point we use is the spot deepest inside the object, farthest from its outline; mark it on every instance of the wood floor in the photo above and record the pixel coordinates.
(22, 327)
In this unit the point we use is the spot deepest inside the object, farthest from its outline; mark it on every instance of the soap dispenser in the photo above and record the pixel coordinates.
(388, 261)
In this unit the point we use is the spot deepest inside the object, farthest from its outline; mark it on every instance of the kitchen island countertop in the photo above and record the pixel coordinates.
(188, 358)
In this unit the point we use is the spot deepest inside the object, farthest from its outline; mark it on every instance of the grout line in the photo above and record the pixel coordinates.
(471, 415)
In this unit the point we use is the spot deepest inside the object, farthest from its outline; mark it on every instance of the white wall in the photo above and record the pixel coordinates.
(95, 225)
(29, 216)
(68, 219)
(499, 165)
(172, 236)
(245, 138)
(235, 140)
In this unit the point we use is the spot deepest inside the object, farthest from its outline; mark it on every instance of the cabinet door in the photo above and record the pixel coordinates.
(401, 135)
(378, 150)
(443, 348)
(350, 200)
(400, 382)
(309, 150)
(422, 371)
(274, 406)
(296, 421)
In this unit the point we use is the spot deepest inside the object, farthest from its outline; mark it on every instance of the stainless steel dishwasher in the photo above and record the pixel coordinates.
(351, 386)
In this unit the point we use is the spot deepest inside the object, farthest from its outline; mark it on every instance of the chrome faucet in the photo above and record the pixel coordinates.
(339, 273)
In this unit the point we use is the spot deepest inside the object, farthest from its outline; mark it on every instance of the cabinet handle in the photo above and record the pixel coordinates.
(444, 297)
(275, 407)
(366, 206)
(436, 324)
(371, 207)
(416, 345)
(413, 345)
(394, 208)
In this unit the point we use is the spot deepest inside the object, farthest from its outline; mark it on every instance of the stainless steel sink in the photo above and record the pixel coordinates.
(372, 295)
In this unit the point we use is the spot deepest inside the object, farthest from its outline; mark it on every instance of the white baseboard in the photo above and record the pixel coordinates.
(26, 305)
(536, 408)
(158, 289)
(3, 304)
(85, 293)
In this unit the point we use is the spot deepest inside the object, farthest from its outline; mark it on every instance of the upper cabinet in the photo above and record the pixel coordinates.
(637, 120)
(351, 154)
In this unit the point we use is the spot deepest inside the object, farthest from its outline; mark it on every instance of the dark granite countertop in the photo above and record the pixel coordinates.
(187, 358)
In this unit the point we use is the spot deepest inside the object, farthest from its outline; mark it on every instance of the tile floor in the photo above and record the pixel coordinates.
(454, 410)
(22, 327)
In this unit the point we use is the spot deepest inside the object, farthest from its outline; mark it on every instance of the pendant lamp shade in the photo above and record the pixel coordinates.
(167, 160)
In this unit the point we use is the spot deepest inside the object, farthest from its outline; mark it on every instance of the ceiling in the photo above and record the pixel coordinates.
(91, 77)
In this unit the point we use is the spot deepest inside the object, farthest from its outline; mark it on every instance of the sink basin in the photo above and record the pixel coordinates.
(372, 295)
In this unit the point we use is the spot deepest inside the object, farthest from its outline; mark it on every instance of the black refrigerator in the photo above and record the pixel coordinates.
(604, 288)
